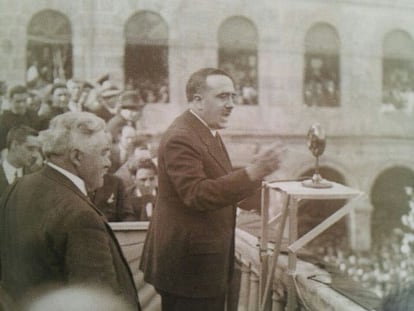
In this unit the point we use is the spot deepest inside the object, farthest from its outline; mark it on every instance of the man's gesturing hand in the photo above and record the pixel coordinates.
(266, 161)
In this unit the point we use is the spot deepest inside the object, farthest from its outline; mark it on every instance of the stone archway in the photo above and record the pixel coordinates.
(312, 213)
(146, 64)
(49, 48)
(390, 201)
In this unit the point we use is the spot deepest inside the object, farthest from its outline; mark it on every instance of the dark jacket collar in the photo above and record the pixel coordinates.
(63, 180)
(205, 135)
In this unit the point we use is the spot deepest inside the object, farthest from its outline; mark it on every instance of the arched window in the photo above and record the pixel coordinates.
(146, 56)
(321, 77)
(237, 54)
(398, 71)
(49, 48)
(391, 200)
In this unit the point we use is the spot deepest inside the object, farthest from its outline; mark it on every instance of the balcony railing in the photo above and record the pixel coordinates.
(313, 295)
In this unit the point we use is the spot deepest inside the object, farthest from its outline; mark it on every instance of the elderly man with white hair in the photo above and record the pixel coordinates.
(51, 235)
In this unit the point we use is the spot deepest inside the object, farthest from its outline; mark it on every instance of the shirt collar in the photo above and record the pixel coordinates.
(79, 183)
(10, 170)
(139, 193)
(213, 132)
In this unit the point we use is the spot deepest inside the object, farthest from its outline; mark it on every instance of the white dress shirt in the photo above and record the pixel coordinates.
(11, 172)
(79, 183)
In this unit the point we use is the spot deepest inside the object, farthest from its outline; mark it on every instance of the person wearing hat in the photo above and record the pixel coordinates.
(108, 100)
(130, 111)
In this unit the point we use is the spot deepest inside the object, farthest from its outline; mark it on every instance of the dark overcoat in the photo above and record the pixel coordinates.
(3, 180)
(51, 234)
(189, 249)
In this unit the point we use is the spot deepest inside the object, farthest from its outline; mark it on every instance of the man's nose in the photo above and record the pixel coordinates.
(231, 102)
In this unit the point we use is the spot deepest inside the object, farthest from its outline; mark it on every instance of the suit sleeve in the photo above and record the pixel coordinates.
(80, 236)
(190, 171)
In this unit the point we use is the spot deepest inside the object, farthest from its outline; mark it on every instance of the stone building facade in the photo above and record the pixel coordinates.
(370, 139)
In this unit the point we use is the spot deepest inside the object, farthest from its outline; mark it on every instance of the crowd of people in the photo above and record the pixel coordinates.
(243, 68)
(398, 93)
(54, 130)
(90, 164)
(387, 266)
(150, 90)
(130, 186)
(320, 89)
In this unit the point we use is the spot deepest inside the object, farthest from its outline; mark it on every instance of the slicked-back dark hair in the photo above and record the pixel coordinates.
(197, 81)
(19, 134)
(145, 163)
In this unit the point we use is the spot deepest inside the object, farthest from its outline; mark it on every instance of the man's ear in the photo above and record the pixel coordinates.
(75, 156)
(13, 145)
(198, 101)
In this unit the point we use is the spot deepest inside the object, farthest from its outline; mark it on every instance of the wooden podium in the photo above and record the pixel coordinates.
(293, 192)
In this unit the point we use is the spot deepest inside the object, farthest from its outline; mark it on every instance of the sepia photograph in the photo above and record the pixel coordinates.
(222, 155)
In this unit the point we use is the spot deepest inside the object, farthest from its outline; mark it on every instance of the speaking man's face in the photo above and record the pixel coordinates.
(217, 101)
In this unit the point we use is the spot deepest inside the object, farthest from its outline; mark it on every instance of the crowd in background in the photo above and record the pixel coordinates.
(243, 69)
(320, 87)
(150, 90)
(130, 186)
(398, 93)
(387, 266)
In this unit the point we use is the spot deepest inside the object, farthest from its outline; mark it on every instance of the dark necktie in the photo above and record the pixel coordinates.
(218, 141)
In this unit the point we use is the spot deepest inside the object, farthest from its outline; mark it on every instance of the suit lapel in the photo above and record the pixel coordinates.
(62, 179)
(214, 149)
(3, 180)
(224, 149)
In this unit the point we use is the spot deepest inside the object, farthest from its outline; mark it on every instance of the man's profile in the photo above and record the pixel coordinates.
(51, 235)
(189, 250)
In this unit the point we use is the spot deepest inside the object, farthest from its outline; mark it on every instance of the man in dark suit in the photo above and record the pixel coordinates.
(22, 146)
(142, 195)
(110, 199)
(16, 115)
(189, 250)
(51, 235)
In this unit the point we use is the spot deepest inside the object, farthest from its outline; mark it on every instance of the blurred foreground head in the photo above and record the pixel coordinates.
(77, 298)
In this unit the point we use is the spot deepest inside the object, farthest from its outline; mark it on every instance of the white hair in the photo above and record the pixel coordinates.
(74, 298)
(70, 130)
